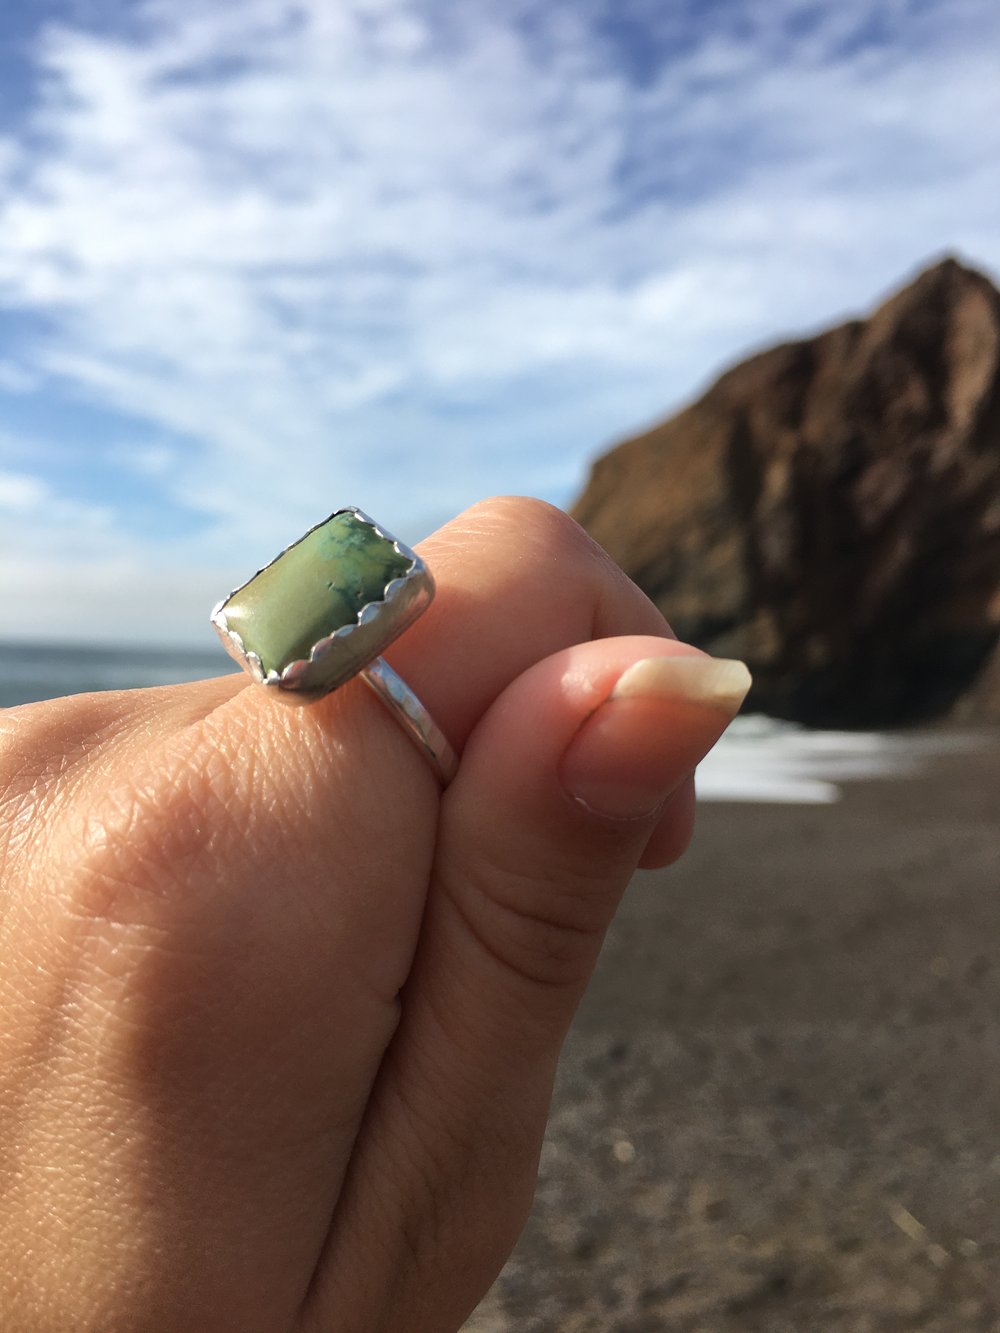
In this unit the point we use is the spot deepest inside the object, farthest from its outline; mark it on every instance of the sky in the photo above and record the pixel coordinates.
(263, 258)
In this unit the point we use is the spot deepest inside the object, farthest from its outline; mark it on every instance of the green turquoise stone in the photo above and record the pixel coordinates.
(316, 587)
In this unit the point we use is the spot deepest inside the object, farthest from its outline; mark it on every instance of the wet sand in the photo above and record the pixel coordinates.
(779, 1109)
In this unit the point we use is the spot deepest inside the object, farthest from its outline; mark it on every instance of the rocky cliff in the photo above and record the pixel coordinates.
(830, 511)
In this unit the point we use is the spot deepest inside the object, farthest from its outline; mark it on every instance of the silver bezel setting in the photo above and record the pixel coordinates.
(337, 657)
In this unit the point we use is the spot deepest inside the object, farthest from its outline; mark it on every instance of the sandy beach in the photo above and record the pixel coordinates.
(779, 1108)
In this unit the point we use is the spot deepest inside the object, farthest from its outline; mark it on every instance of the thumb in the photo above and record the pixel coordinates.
(562, 784)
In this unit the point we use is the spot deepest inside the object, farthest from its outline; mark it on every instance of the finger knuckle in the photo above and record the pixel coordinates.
(42, 748)
(138, 843)
(543, 526)
(549, 538)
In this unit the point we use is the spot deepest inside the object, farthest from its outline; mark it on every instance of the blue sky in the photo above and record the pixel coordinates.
(259, 259)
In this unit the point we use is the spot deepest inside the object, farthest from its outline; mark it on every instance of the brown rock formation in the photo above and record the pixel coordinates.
(830, 510)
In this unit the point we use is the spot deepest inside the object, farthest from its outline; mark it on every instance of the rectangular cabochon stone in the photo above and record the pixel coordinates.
(316, 587)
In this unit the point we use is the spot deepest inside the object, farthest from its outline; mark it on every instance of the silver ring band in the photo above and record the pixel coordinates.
(407, 709)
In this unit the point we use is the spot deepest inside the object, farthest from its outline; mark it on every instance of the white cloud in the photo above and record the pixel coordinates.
(34, 513)
(21, 493)
(152, 461)
(386, 253)
(110, 598)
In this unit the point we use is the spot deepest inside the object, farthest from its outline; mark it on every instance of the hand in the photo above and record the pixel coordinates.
(281, 1019)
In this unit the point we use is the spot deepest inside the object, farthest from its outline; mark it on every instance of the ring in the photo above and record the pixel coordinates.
(321, 613)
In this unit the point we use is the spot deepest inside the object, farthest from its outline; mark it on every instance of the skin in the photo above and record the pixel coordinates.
(280, 1018)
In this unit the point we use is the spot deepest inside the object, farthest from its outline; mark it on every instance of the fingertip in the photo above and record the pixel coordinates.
(633, 752)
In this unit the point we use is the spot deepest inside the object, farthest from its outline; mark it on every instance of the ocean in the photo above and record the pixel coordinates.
(30, 672)
(759, 758)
